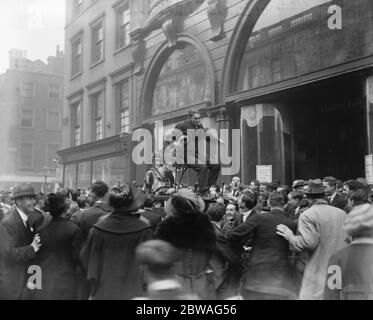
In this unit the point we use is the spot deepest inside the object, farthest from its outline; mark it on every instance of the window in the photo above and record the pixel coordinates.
(97, 103)
(54, 91)
(123, 106)
(75, 124)
(78, 4)
(25, 156)
(53, 120)
(51, 154)
(27, 119)
(76, 59)
(276, 70)
(97, 43)
(28, 89)
(182, 82)
(123, 27)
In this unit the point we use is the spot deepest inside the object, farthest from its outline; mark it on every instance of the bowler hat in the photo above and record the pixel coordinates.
(315, 187)
(23, 190)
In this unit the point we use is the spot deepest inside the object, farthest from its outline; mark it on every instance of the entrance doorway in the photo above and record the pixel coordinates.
(329, 129)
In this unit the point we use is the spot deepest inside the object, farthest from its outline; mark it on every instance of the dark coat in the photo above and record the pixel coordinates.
(154, 218)
(109, 256)
(195, 238)
(90, 217)
(269, 270)
(59, 259)
(356, 271)
(339, 201)
(16, 255)
(223, 262)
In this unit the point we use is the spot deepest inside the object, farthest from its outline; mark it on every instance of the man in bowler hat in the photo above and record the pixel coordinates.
(18, 244)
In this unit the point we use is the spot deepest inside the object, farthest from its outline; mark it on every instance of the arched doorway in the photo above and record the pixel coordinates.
(179, 78)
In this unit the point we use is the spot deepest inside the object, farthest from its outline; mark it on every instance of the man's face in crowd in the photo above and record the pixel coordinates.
(329, 190)
(346, 189)
(253, 186)
(213, 191)
(196, 119)
(26, 204)
(236, 182)
(292, 202)
(230, 210)
(298, 188)
(262, 189)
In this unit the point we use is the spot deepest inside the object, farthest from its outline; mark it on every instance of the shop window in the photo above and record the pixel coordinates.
(182, 82)
(70, 176)
(84, 175)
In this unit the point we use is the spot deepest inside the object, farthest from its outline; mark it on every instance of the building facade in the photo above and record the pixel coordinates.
(294, 77)
(31, 95)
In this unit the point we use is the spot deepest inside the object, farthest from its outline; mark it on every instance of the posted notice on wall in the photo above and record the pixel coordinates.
(264, 173)
(369, 168)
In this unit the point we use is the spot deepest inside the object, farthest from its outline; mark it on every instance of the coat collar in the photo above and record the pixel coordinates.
(121, 223)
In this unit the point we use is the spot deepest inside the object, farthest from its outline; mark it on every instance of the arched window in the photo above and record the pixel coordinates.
(293, 38)
(183, 81)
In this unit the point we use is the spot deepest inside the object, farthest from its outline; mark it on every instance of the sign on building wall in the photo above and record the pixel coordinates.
(369, 168)
(264, 173)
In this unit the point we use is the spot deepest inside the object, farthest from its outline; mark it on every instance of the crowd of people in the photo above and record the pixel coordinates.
(262, 241)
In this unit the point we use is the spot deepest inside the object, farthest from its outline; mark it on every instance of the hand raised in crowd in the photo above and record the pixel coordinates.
(36, 243)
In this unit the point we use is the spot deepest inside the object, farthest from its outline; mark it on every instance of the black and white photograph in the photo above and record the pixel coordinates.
(213, 151)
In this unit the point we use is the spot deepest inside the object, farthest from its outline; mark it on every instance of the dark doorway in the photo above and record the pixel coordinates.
(329, 129)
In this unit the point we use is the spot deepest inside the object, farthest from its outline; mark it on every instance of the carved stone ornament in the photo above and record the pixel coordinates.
(217, 11)
(138, 54)
(171, 28)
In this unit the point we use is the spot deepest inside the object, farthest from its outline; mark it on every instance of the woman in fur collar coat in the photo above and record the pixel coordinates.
(190, 230)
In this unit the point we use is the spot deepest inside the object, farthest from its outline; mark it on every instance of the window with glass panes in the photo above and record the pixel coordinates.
(76, 126)
(27, 119)
(98, 42)
(123, 28)
(124, 104)
(76, 59)
(25, 156)
(97, 101)
(54, 91)
(28, 89)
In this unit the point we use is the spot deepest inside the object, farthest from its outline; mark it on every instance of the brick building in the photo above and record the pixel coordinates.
(31, 123)
(298, 89)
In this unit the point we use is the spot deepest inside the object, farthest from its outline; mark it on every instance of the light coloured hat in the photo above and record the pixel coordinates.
(359, 222)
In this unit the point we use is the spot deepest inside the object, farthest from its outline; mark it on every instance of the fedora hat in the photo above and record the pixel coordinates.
(23, 190)
(315, 187)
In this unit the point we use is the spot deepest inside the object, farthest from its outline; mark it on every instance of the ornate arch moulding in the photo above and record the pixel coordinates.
(237, 44)
(166, 14)
(157, 62)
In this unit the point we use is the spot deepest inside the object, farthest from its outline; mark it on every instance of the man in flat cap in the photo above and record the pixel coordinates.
(18, 244)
